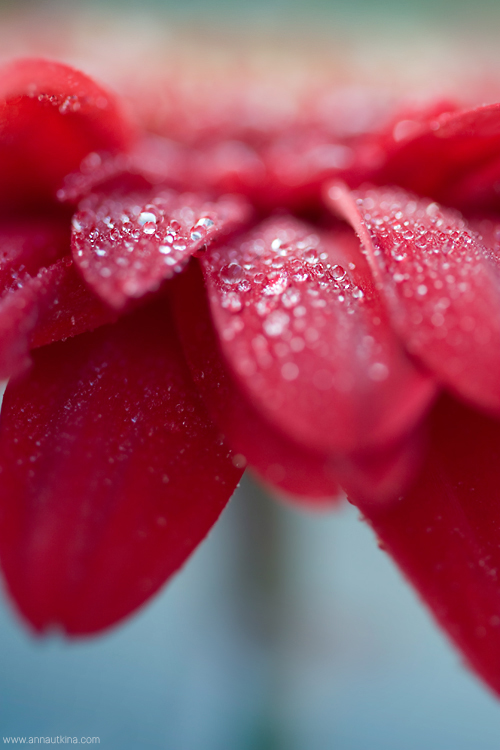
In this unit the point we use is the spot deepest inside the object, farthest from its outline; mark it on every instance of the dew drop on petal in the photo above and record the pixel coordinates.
(338, 273)
(275, 323)
(231, 273)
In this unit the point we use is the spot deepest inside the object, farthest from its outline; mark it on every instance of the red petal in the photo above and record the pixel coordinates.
(27, 244)
(308, 341)
(111, 474)
(286, 465)
(53, 305)
(381, 474)
(66, 306)
(444, 534)
(51, 117)
(456, 145)
(442, 287)
(150, 161)
(126, 246)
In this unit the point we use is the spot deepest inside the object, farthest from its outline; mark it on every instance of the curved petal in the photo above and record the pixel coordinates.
(53, 305)
(457, 145)
(279, 461)
(441, 285)
(305, 475)
(150, 161)
(125, 246)
(51, 116)
(111, 474)
(307, 339)
(29, 243)
(444, 534)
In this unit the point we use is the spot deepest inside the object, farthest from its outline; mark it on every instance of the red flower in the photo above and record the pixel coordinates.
(209, 311)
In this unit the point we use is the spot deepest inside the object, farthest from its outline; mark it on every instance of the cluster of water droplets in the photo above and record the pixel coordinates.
(124, 236)
(69, 103)
(283, 282)
(437, 264)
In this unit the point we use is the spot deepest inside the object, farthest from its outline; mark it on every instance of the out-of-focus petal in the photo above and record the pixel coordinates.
(150, 161)
(51, 116)
(125, 246)
(111, 474)
(442, 286)
(445, 157)
(27, 244)
(445, 533)
(307, 339)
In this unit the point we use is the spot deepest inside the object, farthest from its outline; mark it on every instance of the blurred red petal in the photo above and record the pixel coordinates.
(51, 116)
(150, 161)
(458, 145)
(307, 339)
(29, 243)
(381, 474)
(111, 474)
(126, 246)
(445, 533)
(442, 286)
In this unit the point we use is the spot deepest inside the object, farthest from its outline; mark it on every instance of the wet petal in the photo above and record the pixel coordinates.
(441, 284)
(308, 341)
(53, 305)
(27, 244)
(444, 534)
(125, 246)
(51, 117)
(284, 464)
(111, 474)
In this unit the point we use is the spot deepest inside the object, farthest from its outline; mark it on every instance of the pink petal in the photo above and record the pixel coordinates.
(279, 461)
(441, 285)
(126, 246)
(111, 474)
(51, 117)
(444, 534)
(308, 341)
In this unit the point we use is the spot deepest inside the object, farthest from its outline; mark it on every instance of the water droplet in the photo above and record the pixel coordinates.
(232, 273)
(205, 222)
(290, 297)
(275, 323)
(338, 273)
(231, 302)
(276, 285)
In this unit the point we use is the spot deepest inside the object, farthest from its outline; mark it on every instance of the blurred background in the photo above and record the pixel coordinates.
(285, 631)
